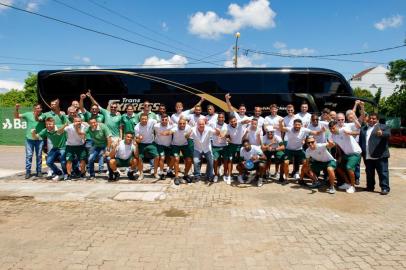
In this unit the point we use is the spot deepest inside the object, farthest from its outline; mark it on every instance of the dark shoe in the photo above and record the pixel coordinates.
(116, 176)
(369, 189)
(315, 185)
(82, 176)
(27, 176)
(176, 181)
(301, 182)
(131, 175)
(162, 176)
(91, 177)
(170, 174)
(384, 192)
(357, 182)
(188, 179)
(68, 177)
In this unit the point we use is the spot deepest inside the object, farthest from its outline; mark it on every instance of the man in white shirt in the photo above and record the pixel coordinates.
(123, 154)
(273, 148)
(319, 159)
(144, 136)
(254, 133)
(181, 144)
(194, 117)
(219, 144)
(251, 153)
(304, 115)
(211, 116)
(241, 114)
(180, 113)
(75, 146)
(257, 115)
(163, 143)
(350, 154)
(235, 133)
(273, 120)
(201, 135)
(317, 125)
(288, 119)
(296, 136)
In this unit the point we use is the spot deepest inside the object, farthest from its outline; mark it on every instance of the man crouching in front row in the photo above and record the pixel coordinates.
(123, 154)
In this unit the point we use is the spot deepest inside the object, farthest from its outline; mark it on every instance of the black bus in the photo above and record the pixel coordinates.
(320, 88)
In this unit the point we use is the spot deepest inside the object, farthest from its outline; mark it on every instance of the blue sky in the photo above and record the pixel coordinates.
(196, 29)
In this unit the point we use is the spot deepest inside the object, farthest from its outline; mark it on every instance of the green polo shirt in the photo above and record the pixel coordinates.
(60, 119)
(99, 135)
(58, 140)
(88, 115)
(70, 119)
(31, 124)
(151, 115)
(112, 121)
(128, 123)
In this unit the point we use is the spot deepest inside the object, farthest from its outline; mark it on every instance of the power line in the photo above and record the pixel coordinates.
(142, 25)
(101, 33)
(118, 26)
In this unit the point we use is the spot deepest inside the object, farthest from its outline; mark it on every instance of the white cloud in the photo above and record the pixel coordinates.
(164, 26)
(32, 6)
(176, 61)
(391, 22)
(283, 49)
(7, 2)
(244, 61)
(256, 14)
(84, 59)
(4, 68)
(279, 45)
(7, 85)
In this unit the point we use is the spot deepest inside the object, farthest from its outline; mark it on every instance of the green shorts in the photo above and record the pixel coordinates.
(276, 156)
(232, 151)
(123, 162)
(150, 148)
(186, 150)
(218, 152)
(318, 166)
(299, 155)
(75, 152)
(349, 162)
(163, 151)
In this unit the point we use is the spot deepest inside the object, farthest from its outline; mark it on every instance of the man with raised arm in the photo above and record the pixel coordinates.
(56, 113)
(123, 154)
(219, 145)
(241, 114)
(163, 143)
(32, 144)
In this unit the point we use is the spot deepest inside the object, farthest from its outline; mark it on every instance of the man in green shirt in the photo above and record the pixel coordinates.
(32, 145)
(58, 140)
(146, 110)
(94, 111)
(112, 118)
(128, 120)
(56, 113)
(101, 137)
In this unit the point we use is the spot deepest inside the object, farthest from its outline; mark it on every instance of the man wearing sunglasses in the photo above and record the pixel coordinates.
(350, 154)
(318, 159)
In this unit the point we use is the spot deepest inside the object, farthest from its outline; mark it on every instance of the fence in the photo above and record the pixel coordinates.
(12, 130)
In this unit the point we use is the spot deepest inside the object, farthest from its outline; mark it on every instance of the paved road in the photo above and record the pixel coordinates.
(203, 227)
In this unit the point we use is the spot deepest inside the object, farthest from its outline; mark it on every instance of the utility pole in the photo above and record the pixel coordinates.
(237, 36)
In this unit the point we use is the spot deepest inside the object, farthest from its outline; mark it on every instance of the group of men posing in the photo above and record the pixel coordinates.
(332, 143)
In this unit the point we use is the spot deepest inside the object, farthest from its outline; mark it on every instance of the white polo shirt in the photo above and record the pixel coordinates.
(193, 119)
(305, 117)
(273, 121)
(124, 151)
(178, 137)
(255, 151)
(260, 120)
(212, 119)
(288, 121)
(161, 139)
(217, 141)
(295, 139)
(321, 138)
(202, 142)
(236, 134)
(176, 116)
(147, 131)
(346, 142)
(274, 142)
(252, 135)
(72, 137)
(241, 118)
(321, 153)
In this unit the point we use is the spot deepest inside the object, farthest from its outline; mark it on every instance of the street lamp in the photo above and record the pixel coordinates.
(237, 36)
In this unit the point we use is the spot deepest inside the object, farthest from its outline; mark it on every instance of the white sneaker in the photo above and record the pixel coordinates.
(351, 189)
(49, 173)
(141, 177)
(297, 177)
(56, 178)
(344, 186)
(215, 179)
(277, 175)
(250, 178)
(240, 179)
(228, 179)
(331, 190)
(260, 182)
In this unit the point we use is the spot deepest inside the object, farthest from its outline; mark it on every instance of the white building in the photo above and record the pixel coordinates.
(372, 79)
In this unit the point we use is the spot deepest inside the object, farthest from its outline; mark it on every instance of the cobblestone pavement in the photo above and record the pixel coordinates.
(209, 227)
(202, 226)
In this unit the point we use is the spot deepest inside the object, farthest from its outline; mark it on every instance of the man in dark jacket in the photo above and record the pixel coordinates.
(373, 140)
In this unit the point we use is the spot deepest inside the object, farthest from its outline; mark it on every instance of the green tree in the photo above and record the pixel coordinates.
(26, 97)
(397, 73)
(365, 93)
